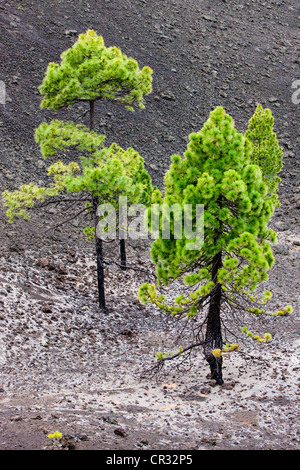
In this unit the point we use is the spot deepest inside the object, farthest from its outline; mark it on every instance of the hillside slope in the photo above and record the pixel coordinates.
(230, 53)
(66, 366)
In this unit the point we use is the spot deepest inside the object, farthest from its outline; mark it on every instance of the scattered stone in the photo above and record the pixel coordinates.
(281, 249)
(68, 443)
(167, 95)
(38, 417)
(205, 390)
(281, 226)
(228, 385)
(46, 308)
(145, 442)
(61, 268)
(43, 262)
(209, 440)
(126, 332)
(70, 32)
(110, 419)
(8, 175)
(120, 432)
(16, 418)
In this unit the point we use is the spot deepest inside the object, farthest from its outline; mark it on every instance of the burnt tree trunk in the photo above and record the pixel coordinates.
(99, 244)
(123, 253)
(99, 258)
(92, 115)
(213, 337)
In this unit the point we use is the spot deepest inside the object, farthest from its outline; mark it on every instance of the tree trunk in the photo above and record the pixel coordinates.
(213, 338)
(99, 244)
(123, 253)
(92, 115)
(99, 258)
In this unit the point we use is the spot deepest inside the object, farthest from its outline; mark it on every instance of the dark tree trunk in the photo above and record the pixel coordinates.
(99, 257)
(213, 338)
(92, 115)
(123, 253)
(99, 244)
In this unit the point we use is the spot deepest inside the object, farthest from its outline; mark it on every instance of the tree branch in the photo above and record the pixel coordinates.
(68, 220)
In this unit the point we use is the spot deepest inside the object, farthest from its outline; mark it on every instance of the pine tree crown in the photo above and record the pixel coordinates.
(91, 71)
(217, 172)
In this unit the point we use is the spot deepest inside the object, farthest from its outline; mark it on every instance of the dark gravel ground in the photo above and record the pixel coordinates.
(64, 365)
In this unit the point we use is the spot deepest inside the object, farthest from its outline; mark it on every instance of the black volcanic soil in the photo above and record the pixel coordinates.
(64, 364)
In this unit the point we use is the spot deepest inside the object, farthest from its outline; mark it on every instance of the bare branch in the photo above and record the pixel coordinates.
(68, 220)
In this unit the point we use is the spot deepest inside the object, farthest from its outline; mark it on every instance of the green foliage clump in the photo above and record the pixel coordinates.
(27, 195)
(265, 339)
(217, 172)
(59, 135)
(267, 152)
(91, 71)
(107, 173)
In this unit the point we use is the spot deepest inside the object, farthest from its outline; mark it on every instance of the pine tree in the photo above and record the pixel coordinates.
(103, 176)
(89, 72)
(216, 172)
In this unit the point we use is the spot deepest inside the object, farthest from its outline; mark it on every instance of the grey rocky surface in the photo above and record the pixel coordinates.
(66, 366)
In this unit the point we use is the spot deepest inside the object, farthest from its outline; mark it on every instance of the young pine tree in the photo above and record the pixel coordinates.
(103, 174)
(216, 172)
(88, 72)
